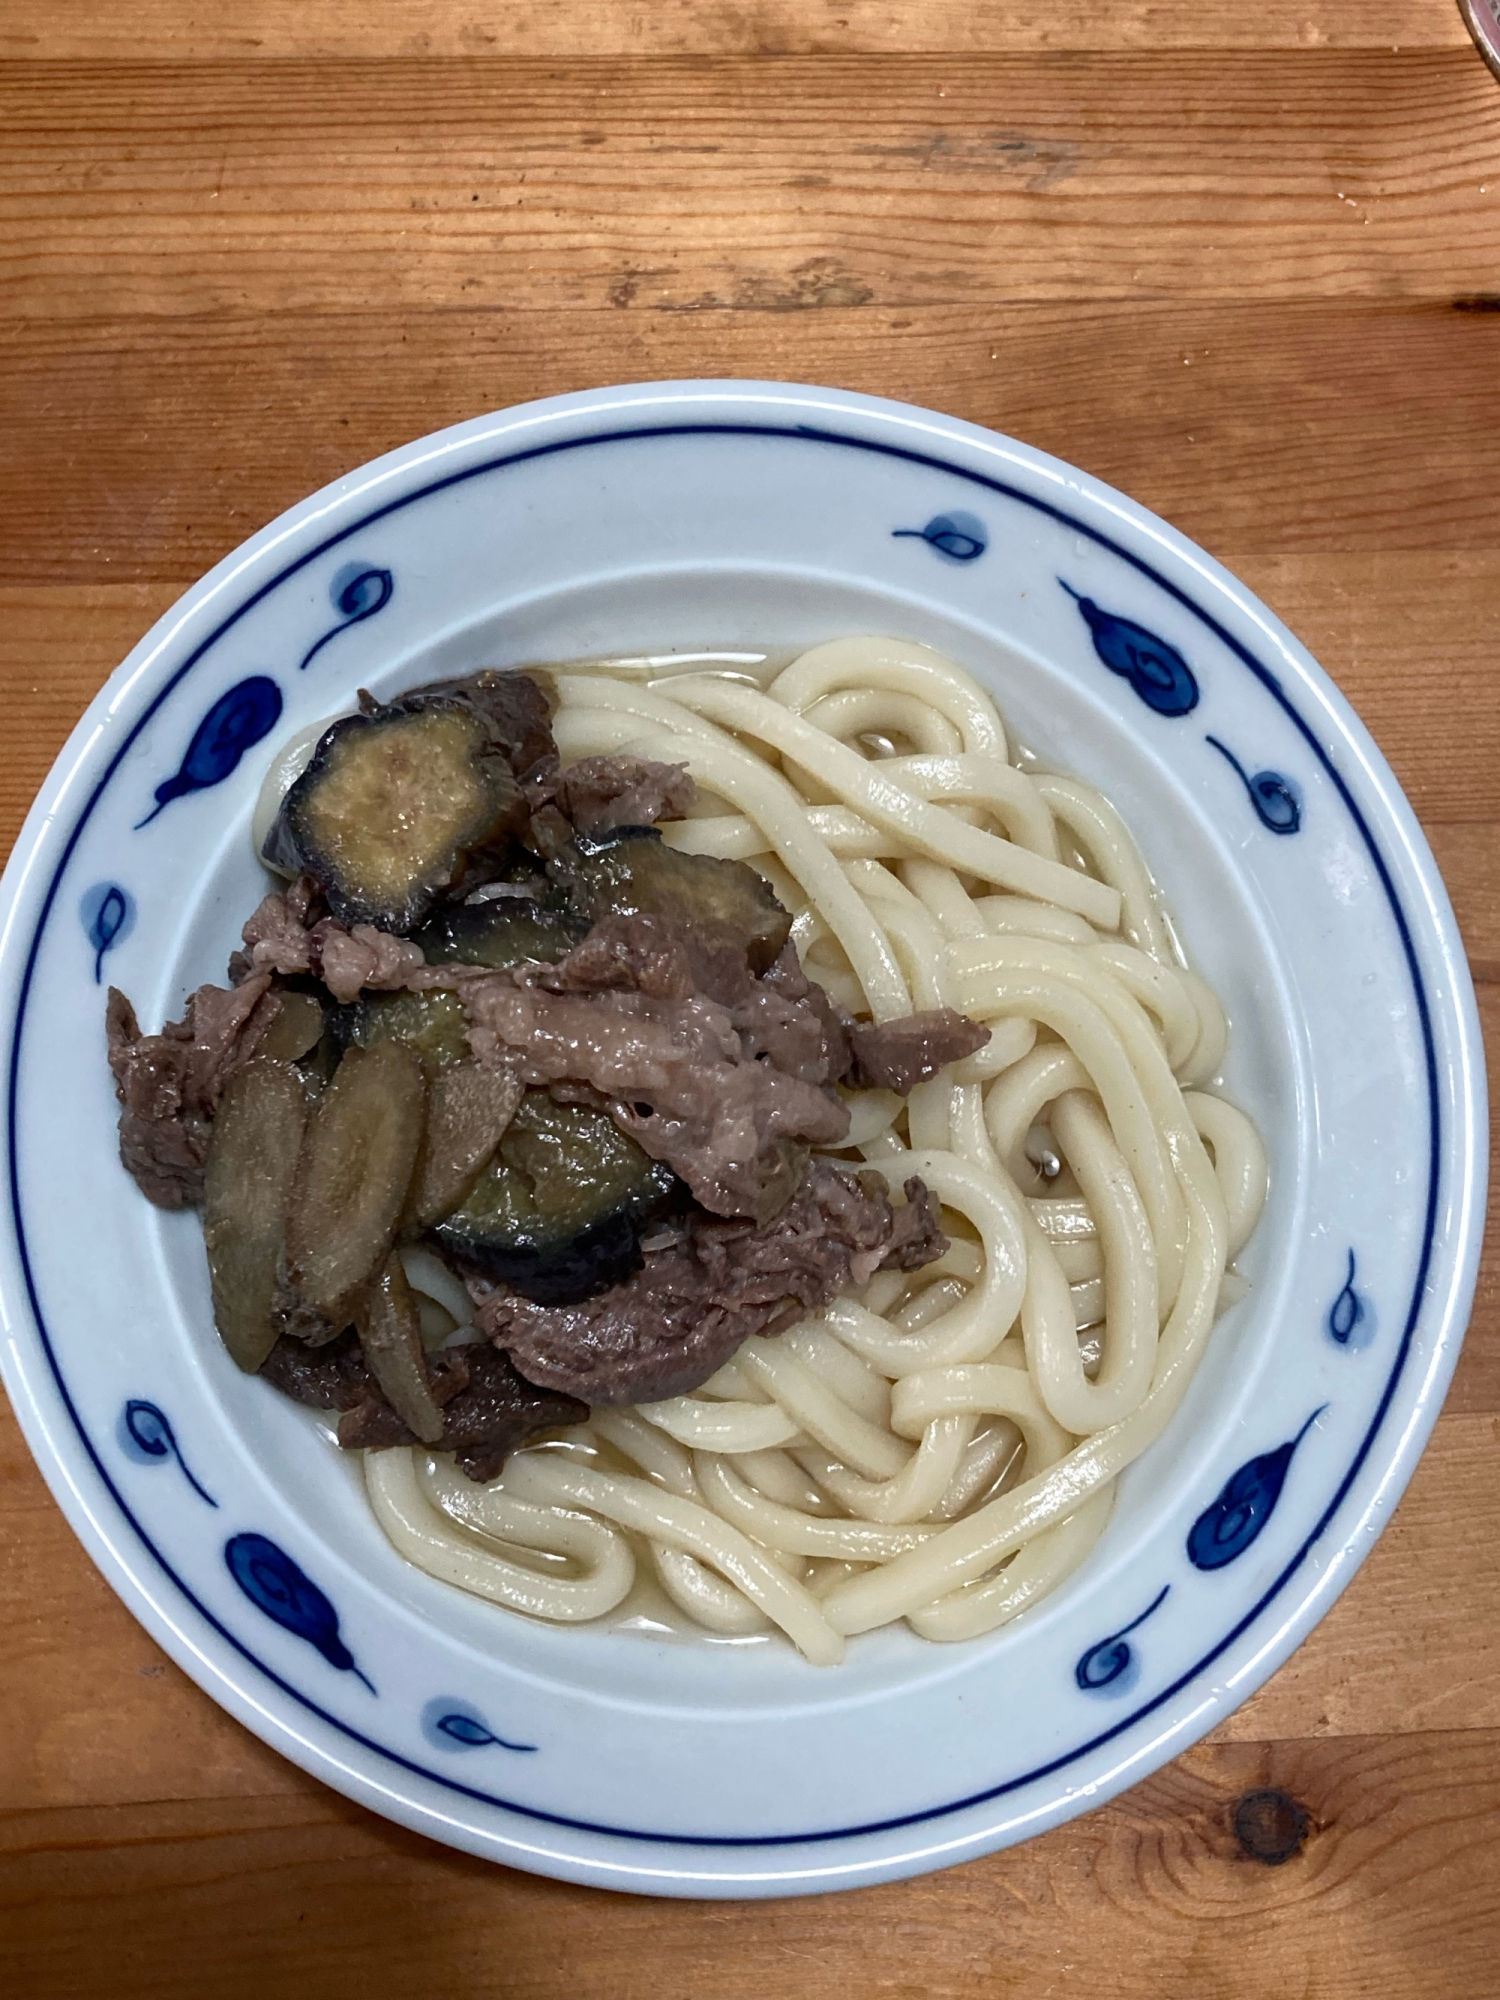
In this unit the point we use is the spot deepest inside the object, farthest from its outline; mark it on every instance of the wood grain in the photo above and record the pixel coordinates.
(88, 29)
(1150, 1898)
(1307, 428)
(1235, 260)
(769, 184)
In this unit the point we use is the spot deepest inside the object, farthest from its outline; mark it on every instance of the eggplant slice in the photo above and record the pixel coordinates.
(247, 1189)
(394, 804)
(631, 872)
(518, 707)
(353, 1175)
(297, 1028)
(558, 1212)
(433, 1024)
(500, 932)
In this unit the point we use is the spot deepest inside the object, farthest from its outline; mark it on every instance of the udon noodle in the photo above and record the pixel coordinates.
(941, 1446)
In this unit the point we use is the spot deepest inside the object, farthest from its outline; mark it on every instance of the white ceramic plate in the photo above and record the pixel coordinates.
(741, 514)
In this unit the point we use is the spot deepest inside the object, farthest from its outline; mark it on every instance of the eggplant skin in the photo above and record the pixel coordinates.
(631, 872)
(433, 1023)
(393, 805)
(557, 1213)
(500, 933)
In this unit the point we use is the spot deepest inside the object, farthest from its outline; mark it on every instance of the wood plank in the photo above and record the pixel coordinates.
(752, 183)
(1149, 1898)
(1469, 857)
(96, 1713)
(141, 449)
(56, 651)
(91, 30)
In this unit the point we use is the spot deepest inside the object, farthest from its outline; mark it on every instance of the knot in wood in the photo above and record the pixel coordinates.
(1271, 1826)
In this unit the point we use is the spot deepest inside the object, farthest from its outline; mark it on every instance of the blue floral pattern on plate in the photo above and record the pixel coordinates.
(1350, 1321)
(1112, 1664)
(1232, 1521)
(1277, 804)
(275, 1585)
(1154, 670)
(236, 723)
(146, 1436)
(450, 1724)
(957, 537)
(358, 592)
(107, 913)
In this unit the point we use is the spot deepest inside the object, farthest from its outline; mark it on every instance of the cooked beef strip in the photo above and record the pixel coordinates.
(169, 1084)
(793, 1022)
(898, 1055)
(288, 933)
(488, 1409)
(916, 1232)
(274, 937)
(334, 1376)
(700, 1294)
(599, 793)
(349, 961)
(622, 1014)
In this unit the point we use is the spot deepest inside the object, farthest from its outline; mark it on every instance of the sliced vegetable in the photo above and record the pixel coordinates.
(352, 1178)
(518, 708)
(392, 805)
(558, 1211)
(295, 1030)
(432, 1023)
(247, 1186)
(470, 1106)
(504, 931)
(390, 1332)
(632, 872)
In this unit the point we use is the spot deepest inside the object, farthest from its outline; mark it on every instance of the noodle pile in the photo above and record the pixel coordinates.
(941, 1446)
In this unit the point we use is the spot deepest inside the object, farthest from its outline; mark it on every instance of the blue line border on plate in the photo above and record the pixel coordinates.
(810, 434)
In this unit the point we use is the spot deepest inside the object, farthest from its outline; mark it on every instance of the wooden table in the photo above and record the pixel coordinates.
(1243, 261)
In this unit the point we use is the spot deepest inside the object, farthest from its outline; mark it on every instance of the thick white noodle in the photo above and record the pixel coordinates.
(941, 1446)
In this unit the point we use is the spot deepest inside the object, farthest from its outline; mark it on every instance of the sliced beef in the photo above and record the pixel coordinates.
(330, 1377)
(347, 961)
(634, 955)
(898, 1055)
(599, 793)
(715, 1282)
(484, 1419)
(290, 933)
(488, 1409)
(790, 1020)
(622, 1016)
(169, 1084)
(917, 1233)
(275, 936)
